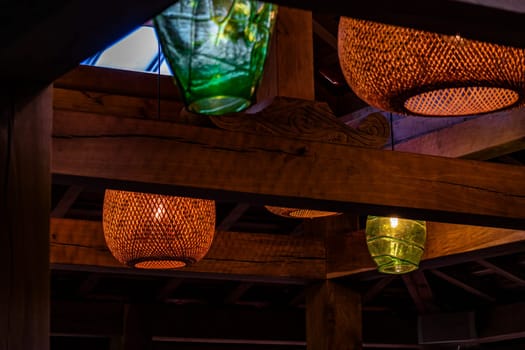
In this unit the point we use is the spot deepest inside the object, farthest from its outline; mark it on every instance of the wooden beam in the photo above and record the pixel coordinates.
(237, 293)
(232, 217)
(503, 272)
(481, 138)
(76, 242)
(25, 196)
(67, 200)
(153, 156)
(420, 291)
(447, 17)
(168, 289)
(111, 82)
(333, 317)
(377, 288)
(466, 287)
(447, 244)
(36, 48)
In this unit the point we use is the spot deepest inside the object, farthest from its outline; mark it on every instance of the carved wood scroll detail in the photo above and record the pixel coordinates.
(308, 120)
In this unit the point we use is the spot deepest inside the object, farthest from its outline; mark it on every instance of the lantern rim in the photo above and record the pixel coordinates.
(397, 266)
(161, 263)
(461, 101)
(218, 105)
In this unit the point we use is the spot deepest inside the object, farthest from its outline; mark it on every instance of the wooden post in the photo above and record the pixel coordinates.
(25, 184)
(137, 328)
(333, 317)
(289, 70)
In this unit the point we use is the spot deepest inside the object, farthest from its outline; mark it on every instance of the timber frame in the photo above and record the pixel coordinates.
(108, 132)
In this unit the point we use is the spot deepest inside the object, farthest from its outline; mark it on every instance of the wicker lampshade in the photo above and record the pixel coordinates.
(153, 231)
(298, 213)
(415, 72)
(395, 244)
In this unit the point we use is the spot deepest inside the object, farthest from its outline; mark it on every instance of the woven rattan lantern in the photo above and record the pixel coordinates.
(298, 213)
(153, 231)
(415, 72)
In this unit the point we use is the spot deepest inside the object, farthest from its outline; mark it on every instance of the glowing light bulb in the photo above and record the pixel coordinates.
(393, 222)
(159, 213)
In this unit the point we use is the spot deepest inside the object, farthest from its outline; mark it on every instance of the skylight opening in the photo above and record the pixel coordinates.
(137, 51)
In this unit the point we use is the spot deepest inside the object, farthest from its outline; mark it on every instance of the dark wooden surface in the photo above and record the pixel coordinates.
(445, 243)
(43, 40)
(25, 182)
(155, 156)
(442, 16)
(333, 317)
(77, 242)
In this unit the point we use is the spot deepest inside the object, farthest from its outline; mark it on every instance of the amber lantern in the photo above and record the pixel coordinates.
(153, 231)
(414, 72)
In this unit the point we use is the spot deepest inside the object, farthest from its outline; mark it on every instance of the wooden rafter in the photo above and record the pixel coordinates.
(420, 291)
(465, 286)
(67, 200)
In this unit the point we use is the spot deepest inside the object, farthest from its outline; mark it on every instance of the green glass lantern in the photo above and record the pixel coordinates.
(396, 245)
(216, 50)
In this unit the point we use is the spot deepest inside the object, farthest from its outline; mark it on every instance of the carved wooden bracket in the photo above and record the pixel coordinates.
(308, 120)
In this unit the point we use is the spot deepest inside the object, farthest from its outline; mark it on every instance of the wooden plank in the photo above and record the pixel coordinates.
(154, 156)
(333, 317)
(117, 82)
(116, 104)
(37, 48)
(25, 196)
(77, 242)
(481, 138)
(447, 244)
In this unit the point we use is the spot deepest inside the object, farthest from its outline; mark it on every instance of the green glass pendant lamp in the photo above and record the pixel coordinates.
(395, 244)
(216, 50)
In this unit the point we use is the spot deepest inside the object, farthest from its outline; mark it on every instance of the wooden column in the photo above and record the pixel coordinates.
(333, 317)
(137, 328)
(25, 182)
(289, 69)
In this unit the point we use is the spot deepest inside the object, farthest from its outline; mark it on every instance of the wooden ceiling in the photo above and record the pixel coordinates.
(250, 290)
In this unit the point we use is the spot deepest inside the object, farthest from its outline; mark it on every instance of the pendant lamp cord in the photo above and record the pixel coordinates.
(391, 132)
(10, 121)
(158, 79)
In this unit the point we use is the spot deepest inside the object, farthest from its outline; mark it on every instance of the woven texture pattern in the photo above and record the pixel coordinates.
(299, 213)
(414, 72)
(157, 232)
